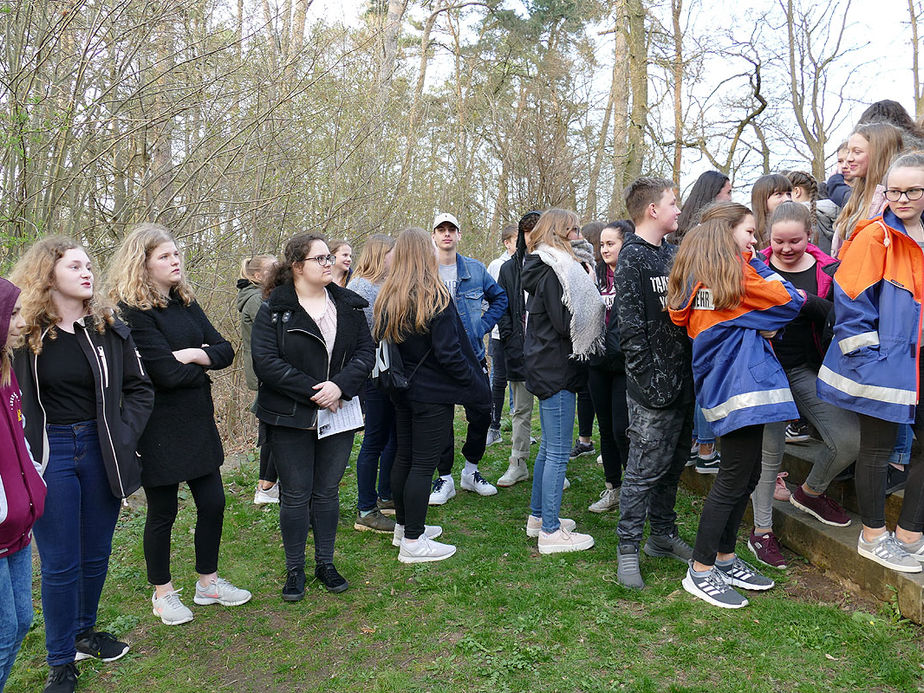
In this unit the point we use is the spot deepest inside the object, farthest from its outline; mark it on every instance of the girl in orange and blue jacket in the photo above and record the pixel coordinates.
(872, 365)
(730, 303)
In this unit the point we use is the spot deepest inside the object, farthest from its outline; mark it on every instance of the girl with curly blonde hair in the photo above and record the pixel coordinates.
(86, 400)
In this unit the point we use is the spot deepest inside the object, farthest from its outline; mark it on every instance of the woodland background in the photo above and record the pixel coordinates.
(239, 122)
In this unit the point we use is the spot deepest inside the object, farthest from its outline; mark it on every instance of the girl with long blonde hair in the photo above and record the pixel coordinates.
(341, 249)
(415, 313)
(564, 327)
(178, 346)
(729, 303)
(377, 454)
(86, 400)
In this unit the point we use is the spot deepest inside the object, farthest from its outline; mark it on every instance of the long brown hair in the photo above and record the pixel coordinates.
(371, 263)
(885, 142)
(34, 274)
(552, 229)
(128, 269)
(764, 187)
(708, 254)
(413, 291)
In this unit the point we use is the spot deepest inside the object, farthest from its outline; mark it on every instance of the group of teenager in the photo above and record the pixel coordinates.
(721, 319)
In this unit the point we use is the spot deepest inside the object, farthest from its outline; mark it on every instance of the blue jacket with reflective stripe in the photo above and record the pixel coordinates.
(871, 366)
(739, 381)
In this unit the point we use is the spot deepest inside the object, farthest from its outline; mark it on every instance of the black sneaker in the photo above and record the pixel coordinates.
(581, 449)
(798, 432)
(896, 479)
(101, 645)
(294, 589)
(61, 679)
(330, 578)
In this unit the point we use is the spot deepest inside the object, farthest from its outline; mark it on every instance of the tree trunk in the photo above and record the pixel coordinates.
(621, 69)
(915, 13)
(677, 69)
(638, 81)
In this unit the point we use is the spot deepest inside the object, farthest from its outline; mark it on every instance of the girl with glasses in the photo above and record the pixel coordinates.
(311, 351)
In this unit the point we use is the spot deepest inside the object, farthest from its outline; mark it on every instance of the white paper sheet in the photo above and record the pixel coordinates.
(348, 417)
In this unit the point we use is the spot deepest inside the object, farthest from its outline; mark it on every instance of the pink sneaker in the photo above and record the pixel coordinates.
(781, 492)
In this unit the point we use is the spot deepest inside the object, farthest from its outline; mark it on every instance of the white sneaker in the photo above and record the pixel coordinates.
(220, 591)
(534, 525)
(264, 496)
(516, 471)
(477, 483)
(609, 500)
(424, 550)
(443, 490)
(170, 609)
(887, 551)
(562, 541)
(599, 459)
(565, 484)
(430, 531)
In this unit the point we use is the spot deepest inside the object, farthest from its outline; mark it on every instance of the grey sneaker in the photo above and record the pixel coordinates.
(628, 572)
(170, 609)
(668, 546)
(516, 471)
(220, 591)
(740, 574)
(915, 549)
(609, 500)
(375, 521)
(887, 551)
(494, 436)
(713, 589)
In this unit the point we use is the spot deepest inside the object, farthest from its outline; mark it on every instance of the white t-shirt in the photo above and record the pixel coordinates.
(494, 271)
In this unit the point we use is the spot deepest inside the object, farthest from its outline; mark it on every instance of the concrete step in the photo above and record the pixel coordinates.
(833, 549)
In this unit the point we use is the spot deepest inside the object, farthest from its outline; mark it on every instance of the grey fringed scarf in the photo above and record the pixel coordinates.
(581, 298)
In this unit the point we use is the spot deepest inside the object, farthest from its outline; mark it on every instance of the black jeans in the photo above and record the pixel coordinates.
(422, 428)
(739, 471)
(498, 381)
(310, 471)
(585, 412)
(877, 439)
(267, 465)
(479, 420)
(608, 392)
(209, 496)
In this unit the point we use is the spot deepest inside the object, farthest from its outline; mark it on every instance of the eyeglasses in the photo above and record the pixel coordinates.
(893, 195)
(323, 260)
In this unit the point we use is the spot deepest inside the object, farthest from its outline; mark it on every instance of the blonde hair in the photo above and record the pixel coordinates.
(34, 274)
(552, 229)
(249, 268)
(708, 254)
(371, 263)
(885, 142)
(128, 276)
(413, 292)
(6, 351)
(335, 245)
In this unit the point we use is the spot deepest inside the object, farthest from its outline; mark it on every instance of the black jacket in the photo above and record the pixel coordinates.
(612, 359)
(510, 324)
(290, 357)
(450, 373)
(657, 352)
(124, 398)
(181, 439)
(547, 345)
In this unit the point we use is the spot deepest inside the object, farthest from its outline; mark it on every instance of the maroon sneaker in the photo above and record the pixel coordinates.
(820, 507)
(766, 547)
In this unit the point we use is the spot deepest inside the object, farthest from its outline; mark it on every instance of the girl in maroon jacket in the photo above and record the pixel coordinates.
(22, 495)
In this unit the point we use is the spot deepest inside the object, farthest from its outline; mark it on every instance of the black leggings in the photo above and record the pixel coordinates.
(739, 471)
(608, 392)
(267, 465)
(585, 413)
(209, 495)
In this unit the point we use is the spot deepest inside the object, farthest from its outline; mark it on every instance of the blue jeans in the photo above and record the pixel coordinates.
(901, 454)
(556, 416)
(15, 606)
(74, 536)
(702, 431)
(377, 453)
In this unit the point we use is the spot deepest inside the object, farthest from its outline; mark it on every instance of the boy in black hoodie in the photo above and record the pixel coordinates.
(659, 381)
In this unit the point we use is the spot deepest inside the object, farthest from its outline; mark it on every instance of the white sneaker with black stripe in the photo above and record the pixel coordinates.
(713, 589)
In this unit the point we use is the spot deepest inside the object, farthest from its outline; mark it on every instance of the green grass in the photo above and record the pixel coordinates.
(496, 617)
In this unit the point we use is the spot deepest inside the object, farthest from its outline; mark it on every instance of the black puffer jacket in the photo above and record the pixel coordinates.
(510, 324)
(547, 345)
(124, 399)
(657, 352)
(290, 357)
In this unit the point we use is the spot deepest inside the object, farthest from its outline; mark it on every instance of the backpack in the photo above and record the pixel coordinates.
(388, 373)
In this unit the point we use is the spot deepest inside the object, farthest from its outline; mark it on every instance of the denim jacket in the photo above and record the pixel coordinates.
(474, 288)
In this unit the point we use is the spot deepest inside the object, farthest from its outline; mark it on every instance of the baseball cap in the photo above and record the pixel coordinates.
(443, 217)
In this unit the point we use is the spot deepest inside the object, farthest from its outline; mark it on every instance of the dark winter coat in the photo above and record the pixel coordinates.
(547, 344)
(181, 439)
(290, 356)
(249, 298)
(657, 352)
(450, 372)
(124, 399)
(510, 324)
